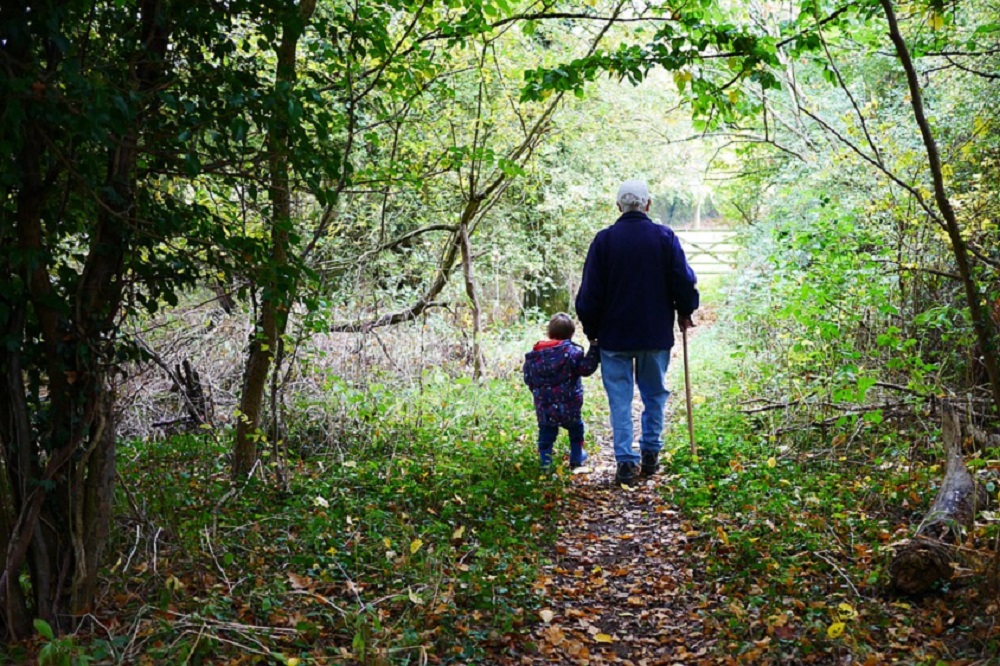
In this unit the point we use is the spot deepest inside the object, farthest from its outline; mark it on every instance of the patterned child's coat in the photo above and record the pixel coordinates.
(552, 371)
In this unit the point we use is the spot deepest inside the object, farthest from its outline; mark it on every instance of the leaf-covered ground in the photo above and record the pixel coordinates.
(633, 580)
(616, 589)
(427, 535)
(752, 553)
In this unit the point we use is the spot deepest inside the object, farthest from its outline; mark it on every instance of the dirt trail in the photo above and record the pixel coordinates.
(618, 590)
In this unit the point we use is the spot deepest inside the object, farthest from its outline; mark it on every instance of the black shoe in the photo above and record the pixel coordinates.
(627, 473)
(650, 463)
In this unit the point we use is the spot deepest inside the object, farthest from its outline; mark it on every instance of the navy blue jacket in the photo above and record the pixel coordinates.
(552, 371)
(635, 278)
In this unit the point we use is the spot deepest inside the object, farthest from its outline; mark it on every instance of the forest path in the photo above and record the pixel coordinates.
(619, 588)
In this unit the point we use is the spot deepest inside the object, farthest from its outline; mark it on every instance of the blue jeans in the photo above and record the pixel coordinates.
(547, 437)
(621, 371)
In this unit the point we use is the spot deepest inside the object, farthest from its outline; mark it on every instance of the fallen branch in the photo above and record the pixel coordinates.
(926, 559)
(889, 410)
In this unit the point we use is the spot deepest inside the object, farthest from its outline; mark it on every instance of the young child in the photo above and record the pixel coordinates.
(552, 370)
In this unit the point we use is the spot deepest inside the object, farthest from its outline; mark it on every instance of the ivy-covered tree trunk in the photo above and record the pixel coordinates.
(56, 423)
(279, 280)
(57, 322)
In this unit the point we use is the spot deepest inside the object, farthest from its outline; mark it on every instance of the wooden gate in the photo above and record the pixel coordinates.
(709, 251)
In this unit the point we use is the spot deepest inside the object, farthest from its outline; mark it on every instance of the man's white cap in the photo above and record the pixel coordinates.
(633, 192)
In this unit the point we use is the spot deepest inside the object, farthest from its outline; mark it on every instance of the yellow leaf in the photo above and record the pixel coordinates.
(293, 661)
(936, 21)
(846, 611)
(722, 535)
(772, 461)
(546, 615)
(604, 638)
(698, 400)
(414, 597)
(331, 551)
(172, 583)
(835, 630)
(457, 534)
(387, 541)
(734, 96)
(415, 546)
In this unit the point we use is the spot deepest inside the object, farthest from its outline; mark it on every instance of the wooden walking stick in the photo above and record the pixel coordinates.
(687, 391)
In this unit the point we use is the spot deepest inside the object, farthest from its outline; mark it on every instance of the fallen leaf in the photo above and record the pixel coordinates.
(846, 611)
(835, 630)
(299, 582)
(546, 615)
(603, 638)
(415, 546)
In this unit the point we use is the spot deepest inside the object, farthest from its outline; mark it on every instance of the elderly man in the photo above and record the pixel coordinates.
(635, 278)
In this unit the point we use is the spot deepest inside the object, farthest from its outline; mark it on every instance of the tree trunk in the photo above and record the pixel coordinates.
(470, 290)
(56, 428)
(926, 558)
(279, 281)
(981, 322)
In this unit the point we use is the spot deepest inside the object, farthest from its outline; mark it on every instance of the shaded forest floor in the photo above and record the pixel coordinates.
(424, 533)
(731, 564)
(616, 590)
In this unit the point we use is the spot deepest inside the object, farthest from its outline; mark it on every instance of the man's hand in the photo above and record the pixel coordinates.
(685, 323)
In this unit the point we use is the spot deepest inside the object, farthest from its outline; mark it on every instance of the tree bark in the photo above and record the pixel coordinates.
(59, 466)
(470, 290)
(926, 559)
(279, 284)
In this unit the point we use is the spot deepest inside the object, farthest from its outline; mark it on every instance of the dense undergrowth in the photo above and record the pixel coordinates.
(792, 534)
(415, 538)
(413, 531)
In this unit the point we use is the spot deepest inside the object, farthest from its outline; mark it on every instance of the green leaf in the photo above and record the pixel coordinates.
(874, 417)
(44, 628)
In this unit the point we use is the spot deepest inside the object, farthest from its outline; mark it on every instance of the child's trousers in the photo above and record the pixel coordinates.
(547, 437)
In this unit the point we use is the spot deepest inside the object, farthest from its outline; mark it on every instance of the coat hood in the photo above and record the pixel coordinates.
(550, 361)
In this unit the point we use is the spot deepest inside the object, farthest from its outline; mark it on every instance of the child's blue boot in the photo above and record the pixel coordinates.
(577, 455)
(545, 458)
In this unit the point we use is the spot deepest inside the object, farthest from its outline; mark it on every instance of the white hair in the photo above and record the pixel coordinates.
(631, 201)
(633, 195)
